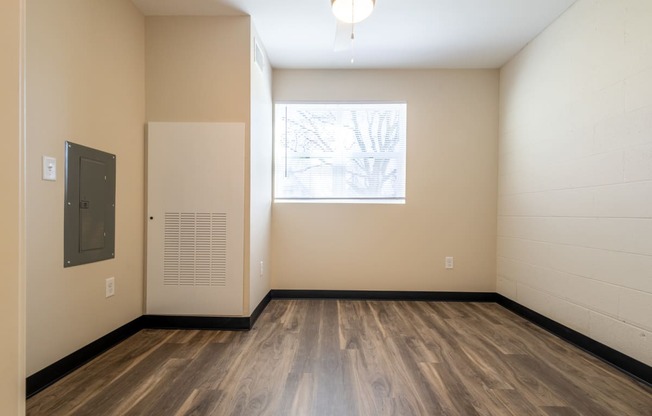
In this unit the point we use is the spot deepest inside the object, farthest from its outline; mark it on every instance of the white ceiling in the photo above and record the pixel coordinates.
(398, 34)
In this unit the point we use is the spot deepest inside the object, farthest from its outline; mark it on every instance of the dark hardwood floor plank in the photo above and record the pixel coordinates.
(303, 396)
(404, 350)
(583, 369)
(454, 388)
(360, 386)
(302, 328)
(516, 403)
(89, 380)
(560, 411)
(200, 402)
(182, 382)
(132, 386)
(572, 395)
(350, 358)
(246, 387)
(428, 347)
(527, 385)
(332, 397)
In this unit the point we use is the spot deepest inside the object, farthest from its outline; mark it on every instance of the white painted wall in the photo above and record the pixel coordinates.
(575, 174)
(260, 177)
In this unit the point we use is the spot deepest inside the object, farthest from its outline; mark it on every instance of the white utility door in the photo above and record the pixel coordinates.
(195, 218)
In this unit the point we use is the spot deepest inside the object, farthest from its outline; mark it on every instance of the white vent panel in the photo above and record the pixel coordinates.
(195, 226)
(194, 249)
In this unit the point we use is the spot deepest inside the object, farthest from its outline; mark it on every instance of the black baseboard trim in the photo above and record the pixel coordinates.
(625, 363)
(385, 295)
(50, 374)
(235, 323)
(54, 372)
(259, 309)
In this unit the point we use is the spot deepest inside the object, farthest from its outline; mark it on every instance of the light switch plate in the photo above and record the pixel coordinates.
(49, 168)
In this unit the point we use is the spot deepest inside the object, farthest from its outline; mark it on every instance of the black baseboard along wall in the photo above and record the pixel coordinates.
(619, 360)
(385, 295)
(41, 379)
(66, 365)
(50, 374)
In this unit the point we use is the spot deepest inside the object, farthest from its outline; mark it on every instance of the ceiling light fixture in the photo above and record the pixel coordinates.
(352, 11)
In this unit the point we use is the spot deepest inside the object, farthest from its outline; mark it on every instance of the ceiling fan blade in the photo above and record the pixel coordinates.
(343, 39)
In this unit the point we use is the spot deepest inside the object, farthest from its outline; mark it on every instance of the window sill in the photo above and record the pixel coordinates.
(341, 201)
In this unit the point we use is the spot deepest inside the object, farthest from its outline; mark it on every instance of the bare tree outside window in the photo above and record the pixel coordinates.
(340, 151)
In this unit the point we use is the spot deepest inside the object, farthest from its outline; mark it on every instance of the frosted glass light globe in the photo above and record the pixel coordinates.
(352, 11)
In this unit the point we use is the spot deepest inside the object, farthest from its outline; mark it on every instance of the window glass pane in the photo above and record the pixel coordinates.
(340, 151)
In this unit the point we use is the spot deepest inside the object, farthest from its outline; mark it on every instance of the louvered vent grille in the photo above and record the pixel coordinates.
(194, 249)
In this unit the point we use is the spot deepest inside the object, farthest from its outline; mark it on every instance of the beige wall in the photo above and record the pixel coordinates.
(85, 83)
(260, 177)
(12, 371)
(451, 190)
(200, 69)
(575, 205)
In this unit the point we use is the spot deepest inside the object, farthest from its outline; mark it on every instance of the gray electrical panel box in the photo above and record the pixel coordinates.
(89, 218)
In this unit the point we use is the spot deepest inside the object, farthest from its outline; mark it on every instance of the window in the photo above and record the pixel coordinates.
(343, 151)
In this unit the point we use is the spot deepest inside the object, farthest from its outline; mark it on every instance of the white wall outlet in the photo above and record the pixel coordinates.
(110, 287)
(448, 262)
(262, 268)
(49, 168)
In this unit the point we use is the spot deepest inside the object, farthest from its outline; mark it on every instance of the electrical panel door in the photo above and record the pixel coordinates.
(89, 219)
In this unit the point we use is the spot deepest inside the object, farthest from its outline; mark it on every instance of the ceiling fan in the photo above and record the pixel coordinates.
(348, 13)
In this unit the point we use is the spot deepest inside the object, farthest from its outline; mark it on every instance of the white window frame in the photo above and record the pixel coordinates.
(398, 156)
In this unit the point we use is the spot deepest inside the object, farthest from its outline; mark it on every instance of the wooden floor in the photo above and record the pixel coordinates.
(329, 357)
